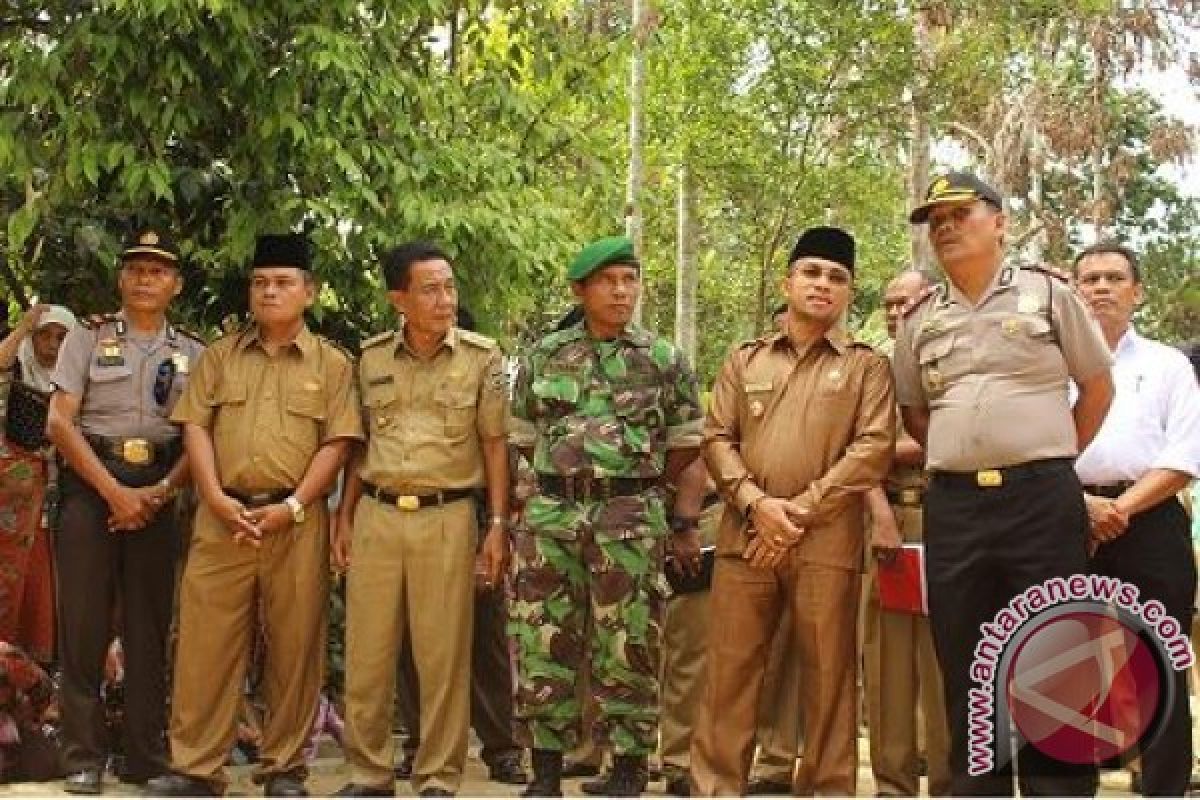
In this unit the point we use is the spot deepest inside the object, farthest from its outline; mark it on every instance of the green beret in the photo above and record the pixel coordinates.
(602, 253)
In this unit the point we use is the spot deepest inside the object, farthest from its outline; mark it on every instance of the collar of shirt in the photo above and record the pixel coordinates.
(451, 342)
(1003, 279)
(305, 341)
(835, 337)
(633, 334)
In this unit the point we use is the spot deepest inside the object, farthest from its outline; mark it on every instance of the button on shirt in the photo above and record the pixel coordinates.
(1154, 420)
(114, 375)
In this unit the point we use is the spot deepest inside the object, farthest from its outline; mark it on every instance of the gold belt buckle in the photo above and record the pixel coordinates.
(989, 478)
(136, 451)
(910, 497)
(408, 502)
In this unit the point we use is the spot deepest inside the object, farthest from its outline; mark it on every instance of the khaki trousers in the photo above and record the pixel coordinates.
(747, 605)
(779, 714)
(410, 573)
(684, 652)
(902, 677)
(222, 581)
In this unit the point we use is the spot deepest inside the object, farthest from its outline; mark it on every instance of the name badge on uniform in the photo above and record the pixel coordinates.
(756, 408)
(312, 386)
(180, 360)
(1028, 304)
(381, 380)
(759, 387)
(110, 354)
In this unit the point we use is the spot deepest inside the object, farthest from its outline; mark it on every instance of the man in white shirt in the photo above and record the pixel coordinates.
(1147, 450)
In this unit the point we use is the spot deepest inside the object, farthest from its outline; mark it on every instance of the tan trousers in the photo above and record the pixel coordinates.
(902, 676)
(684, 649)
(747, 605)
(779, 714)
(414, 572)
(289, 573)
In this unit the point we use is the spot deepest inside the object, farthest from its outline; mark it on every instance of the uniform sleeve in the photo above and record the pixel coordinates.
(722, 438)
(492, 416)
(685, 425)
(74, 359)
(199, 398)
(1182, 400)
(865, 461)
(905, 368)
(521, 429)
(1079, 335)
(343, 414)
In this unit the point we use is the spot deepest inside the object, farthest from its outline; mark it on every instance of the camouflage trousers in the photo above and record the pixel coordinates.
(590, 594)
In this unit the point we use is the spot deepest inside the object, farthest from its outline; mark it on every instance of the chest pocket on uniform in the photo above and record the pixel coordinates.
(558, 390)
(306, 408)
(111, 386)
(378, 399)
(931, 355)
(457, 407)
(640, 408)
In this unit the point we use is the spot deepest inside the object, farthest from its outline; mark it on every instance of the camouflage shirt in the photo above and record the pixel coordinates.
(609, 407)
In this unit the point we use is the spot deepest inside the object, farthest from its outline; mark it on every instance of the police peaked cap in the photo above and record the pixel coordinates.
(829, 243)
(282, 250)
(151, 243)
(602, 253)
(954, 187)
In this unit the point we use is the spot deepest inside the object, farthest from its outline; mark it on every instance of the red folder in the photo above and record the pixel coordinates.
(902, 582)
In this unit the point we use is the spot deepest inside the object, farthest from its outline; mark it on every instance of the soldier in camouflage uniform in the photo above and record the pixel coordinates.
(608, 416)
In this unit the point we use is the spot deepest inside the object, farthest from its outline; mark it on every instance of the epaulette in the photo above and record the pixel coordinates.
(477, 339)
(378, 338)
(926, 293)
(337, 346)
(748, 343)
(94, 321)
(1046, 269)
(189, 334)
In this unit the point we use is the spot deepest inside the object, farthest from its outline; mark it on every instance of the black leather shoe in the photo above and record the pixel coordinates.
(678, 785)
(435, 792)
(508, 769)
(764, 786)
(174, 785)
(547, 774)
(358, 790)
(85, 781)
(578, 769)
(285, 786)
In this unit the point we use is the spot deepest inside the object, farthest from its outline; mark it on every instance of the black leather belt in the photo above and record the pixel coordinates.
(911, 496)
(267, 497)
(135, 451)
(1110, 490)
(588, 487)
(1001, 476)
(415, 502)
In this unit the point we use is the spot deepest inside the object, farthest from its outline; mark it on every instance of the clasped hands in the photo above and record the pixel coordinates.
(1105, 518)
(250, 525)
(132, 507)
(778, 524)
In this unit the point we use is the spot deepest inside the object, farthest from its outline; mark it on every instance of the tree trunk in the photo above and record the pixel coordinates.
(633, 193)
(686, 275)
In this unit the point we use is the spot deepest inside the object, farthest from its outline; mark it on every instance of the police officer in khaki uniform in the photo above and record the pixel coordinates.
(801, 424)
(435, 400)
(115, 386)
(903, 683)
(981, 375)
(270, 416)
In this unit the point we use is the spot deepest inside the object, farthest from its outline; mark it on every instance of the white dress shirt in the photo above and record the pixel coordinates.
(1154, 421)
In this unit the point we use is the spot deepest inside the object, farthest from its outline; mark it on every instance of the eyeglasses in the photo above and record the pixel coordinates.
(838, 276)
(163, 380)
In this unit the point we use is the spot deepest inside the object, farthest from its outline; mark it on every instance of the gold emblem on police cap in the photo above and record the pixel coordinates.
(939, 186)
(1028, 304)
(756, 408)
(149, 238)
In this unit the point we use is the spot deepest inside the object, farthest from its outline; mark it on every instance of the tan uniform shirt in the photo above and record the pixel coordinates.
(426, 419)
(994, 375)
(269, 415)
(816, 425)
(114, 373)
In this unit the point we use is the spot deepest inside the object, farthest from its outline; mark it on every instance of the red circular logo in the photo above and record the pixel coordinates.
(1085, 688)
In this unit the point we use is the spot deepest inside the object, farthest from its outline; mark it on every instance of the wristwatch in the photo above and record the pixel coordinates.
(297, 508)
(683, 524)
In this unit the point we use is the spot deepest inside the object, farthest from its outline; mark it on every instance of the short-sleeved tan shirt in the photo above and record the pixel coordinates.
(268, 415)
(816, 425)
(427, 418)
(114, 371)
(994, 375)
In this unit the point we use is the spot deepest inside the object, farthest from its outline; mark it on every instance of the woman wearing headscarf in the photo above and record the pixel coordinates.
(27, 355)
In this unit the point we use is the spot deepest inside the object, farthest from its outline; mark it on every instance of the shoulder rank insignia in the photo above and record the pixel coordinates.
(377, 339)
(1046, 269)
(476, 339)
